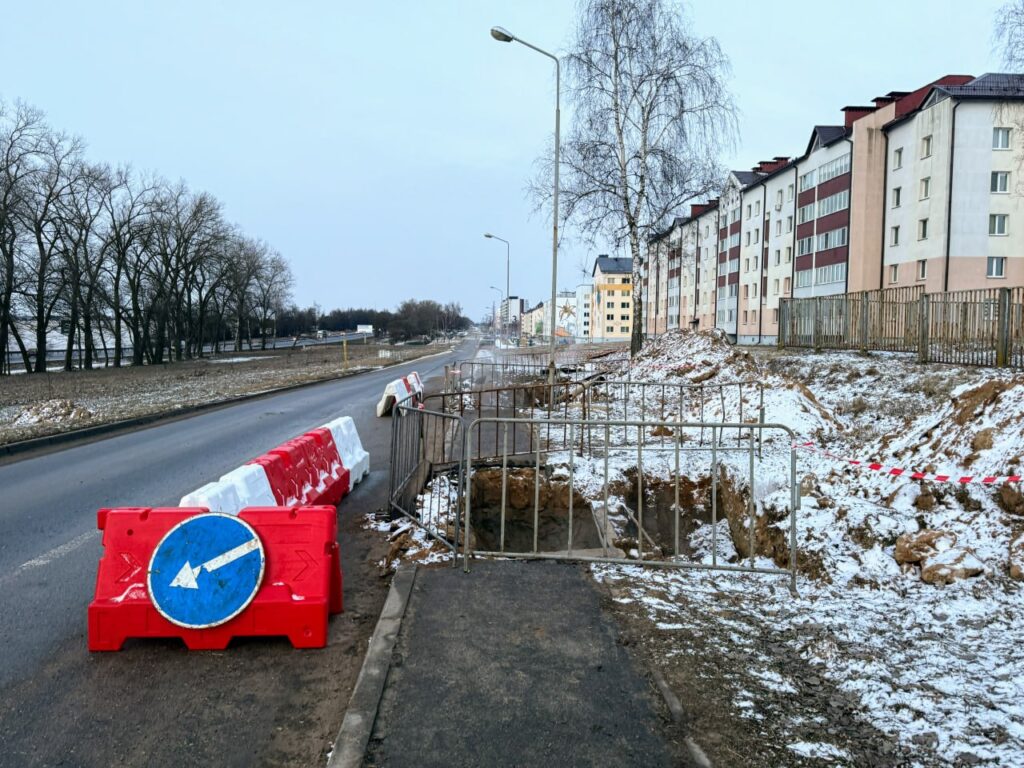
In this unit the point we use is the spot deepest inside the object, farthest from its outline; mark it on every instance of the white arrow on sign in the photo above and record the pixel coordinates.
(186, 578)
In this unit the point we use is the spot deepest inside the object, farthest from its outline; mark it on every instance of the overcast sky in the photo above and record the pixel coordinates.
(373, 143)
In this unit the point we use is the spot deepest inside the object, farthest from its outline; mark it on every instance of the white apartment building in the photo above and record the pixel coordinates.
(954, 212)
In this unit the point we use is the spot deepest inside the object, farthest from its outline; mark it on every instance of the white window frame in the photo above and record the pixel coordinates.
(926, 146)
(894, 236)
(922, 269)
(922, 229)
(1000, 183)
(1000, 138)
(894, 273)
(897, 196)
(995, 267)
(897, 158)
(926, 187)
(994, 222)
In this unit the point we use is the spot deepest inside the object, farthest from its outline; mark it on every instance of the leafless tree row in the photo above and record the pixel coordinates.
(114, 259)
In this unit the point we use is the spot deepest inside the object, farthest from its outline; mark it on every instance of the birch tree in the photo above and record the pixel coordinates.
(652, 114)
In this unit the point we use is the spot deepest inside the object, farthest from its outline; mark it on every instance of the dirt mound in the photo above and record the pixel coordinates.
(694, 357)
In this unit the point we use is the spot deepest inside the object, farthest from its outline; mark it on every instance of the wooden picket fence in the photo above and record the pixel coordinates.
(979, 327)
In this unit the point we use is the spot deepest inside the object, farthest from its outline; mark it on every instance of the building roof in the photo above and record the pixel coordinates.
(613, 265)
(992, 85)
(746, 178)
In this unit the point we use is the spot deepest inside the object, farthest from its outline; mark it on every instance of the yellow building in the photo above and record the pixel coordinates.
(612, 299)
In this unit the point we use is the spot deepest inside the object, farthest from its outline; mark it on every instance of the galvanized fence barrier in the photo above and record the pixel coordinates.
(615, 443)
(427, 451)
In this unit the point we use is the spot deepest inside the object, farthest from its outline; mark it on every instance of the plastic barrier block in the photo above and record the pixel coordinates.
(334, 476)
(281, 484)
(217, 496)
(301, 581)
(395, 391)
(251, 483)
(350, 447)
(299, 462)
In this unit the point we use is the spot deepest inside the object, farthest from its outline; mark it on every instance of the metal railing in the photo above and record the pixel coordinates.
(614, 449)
(427, 451)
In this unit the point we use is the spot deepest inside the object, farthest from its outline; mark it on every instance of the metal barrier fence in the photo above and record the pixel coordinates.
(977, 327)
(427, 450)
(550, 405)
(516, 531)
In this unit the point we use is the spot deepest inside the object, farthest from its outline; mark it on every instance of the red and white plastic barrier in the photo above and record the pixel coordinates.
(319, 467)
(398, 390)
(900, 472)
(300, 586)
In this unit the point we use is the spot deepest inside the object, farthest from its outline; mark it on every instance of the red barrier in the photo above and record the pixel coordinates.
(302, 581)
(306, 470)
(336, 477)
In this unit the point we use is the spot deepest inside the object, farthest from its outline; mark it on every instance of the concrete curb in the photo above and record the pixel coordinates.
(47, 441)
(350, 744)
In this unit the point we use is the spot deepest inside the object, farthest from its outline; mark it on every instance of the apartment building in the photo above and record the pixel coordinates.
(580, 325)
(954, 211)
(919, 187)
(612, 298)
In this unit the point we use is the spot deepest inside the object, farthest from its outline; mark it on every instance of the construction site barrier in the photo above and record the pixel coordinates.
(320, 467)
(398, 391)
(299, 580)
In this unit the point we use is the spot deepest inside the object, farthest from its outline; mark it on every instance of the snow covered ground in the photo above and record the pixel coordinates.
(904, 645)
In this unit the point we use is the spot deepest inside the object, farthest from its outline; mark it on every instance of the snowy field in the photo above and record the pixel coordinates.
(904, 645)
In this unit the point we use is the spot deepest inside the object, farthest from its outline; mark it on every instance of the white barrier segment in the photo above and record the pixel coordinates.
(350, 448)
(252, 486)
(417, 382)
(395, 391)
(217, 496)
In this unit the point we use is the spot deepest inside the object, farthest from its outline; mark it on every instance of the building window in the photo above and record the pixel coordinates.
(753, 290)
(832, 239)
(897, 158)
(837, 202)
(785, 286)
(926, 187)
(748, 239)
(1000, 138)
(789, 253)
(744, 316)
(748, 210)
(609, 329)
(775, 316)
(757, 234)
(775, 287)
(833, 273)
(757, 208)
(803, 278)
(805, 214)
(746, 265)
(997, 224)
(996, 266)
(789, 223)
(807, 181)
(922, 229)
(778, 227)
(624, 329)
(789, 192)
(894, 236)
(778, 199)
(896, 193)
(778, 257)
(834, 168)
(609, 317)
(746, 291)
(805, 246)
(894, 273)
(624, 305)
(922, 269)
(1000, 181)
(926, 146)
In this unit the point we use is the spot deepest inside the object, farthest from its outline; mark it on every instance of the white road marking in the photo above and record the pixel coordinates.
(54, 554)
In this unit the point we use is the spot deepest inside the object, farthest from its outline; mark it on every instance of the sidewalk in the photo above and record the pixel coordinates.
(515, 664)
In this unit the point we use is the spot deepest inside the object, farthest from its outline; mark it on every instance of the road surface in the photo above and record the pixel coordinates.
(153, 703)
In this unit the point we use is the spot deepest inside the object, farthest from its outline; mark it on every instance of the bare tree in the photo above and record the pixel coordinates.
(1008, 37)
(652, 115)
(272, 285)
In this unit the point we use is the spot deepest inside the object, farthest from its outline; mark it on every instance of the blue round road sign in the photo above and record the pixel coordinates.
(206, 570)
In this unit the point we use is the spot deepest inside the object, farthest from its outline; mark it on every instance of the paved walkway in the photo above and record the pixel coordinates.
(514, 664)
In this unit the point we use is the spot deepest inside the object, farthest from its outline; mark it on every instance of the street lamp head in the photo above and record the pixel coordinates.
(488, 235)
(502, 35)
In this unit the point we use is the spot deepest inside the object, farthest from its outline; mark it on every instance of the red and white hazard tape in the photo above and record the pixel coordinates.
(899, 472)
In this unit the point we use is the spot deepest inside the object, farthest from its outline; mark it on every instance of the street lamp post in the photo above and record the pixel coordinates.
(498, 326)
(508, 259)
(502, 35)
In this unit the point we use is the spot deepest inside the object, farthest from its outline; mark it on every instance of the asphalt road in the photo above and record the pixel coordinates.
(154, 703)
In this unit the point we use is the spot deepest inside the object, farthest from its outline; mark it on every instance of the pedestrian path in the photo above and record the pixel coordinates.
(513, 664)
